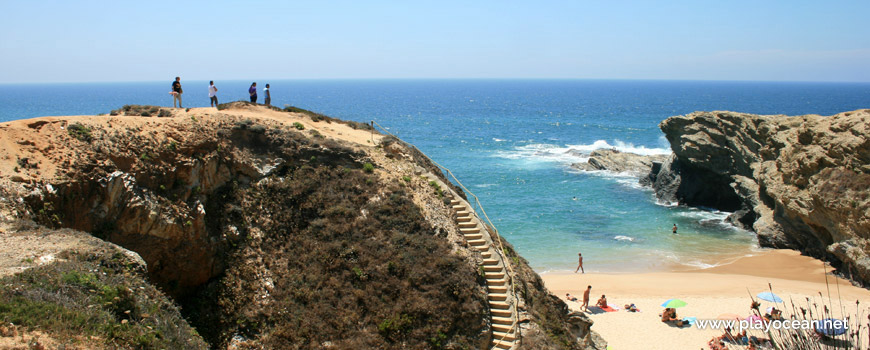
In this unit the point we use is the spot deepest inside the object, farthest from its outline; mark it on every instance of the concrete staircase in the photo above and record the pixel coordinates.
(500, 296)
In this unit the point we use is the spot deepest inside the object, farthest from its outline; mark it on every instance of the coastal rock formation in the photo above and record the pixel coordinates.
(619, 162)
(274, 228)
(798, 182)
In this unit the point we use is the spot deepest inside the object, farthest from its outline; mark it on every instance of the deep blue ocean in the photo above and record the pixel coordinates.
(512, 141)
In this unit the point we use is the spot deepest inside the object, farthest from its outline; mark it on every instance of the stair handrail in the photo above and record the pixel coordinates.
(500, 249)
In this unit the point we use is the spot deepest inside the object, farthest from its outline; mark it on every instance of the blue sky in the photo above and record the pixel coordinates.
(78, 41)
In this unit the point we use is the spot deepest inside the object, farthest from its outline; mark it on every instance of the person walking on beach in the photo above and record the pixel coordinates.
(253, 92)
(586, 298)
(212, 93)
(675, 228)
(268, 100)
(176, 92)
(580, 264)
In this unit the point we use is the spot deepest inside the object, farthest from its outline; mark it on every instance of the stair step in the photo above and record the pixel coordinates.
(489, 261)
(463, 213)
(501, 312)
(502, 320)
(497, 297)
(482, 248)
(463, 219)
(495, 281)
(499, 305)
(494, 274)
(473, 236)
(502, 327)
(508, 337)
(496, 289)
(503, 345)
(486, 255)
(455, 202)
(459, 207)
(467, 224)
(476, 242)
(466, 230)
(493, 268)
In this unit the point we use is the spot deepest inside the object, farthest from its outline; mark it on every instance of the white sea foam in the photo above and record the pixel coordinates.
(485, 185)
(574, 153)
(624, 238)
(497, 139)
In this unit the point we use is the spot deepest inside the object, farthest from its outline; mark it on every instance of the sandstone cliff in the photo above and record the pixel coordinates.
(799, 182)
(274, 229)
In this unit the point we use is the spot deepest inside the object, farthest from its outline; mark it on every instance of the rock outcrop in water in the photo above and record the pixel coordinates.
(798, 182)
(619, 162)
(273, 229)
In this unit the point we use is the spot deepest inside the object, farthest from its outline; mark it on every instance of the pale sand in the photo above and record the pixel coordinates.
(709, 293)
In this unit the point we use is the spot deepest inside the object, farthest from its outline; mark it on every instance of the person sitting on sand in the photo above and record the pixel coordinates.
(717, 344)
(666, 315)
(602, 303)
(571, 297)
(670, 315)
(775, 314)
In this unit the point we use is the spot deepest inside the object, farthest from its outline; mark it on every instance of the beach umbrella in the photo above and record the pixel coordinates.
(674, 303)
(768, 296)
(831, 327)
(727, 317)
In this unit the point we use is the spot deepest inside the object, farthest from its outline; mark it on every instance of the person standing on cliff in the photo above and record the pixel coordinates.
(580, 264)
(675, 228)
(212, 93)
(268, 99)
(176, 92)
(586, 298)
(253, 92)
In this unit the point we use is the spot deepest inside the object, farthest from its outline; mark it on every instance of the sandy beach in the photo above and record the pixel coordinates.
(708, 293)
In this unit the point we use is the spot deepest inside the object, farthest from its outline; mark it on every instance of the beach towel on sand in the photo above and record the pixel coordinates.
(610, 308)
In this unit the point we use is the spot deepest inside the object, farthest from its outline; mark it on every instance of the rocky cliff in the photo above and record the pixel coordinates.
(272, 228)
(799, 182)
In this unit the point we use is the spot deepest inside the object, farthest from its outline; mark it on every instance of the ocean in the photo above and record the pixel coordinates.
(512, 143)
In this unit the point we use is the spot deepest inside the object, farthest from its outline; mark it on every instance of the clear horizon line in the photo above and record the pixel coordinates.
(453, 79)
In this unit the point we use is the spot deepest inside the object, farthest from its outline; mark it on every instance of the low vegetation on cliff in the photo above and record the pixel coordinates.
(93, 300)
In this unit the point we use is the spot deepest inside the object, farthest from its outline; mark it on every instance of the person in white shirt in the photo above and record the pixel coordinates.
(268, 95)
(212, 93)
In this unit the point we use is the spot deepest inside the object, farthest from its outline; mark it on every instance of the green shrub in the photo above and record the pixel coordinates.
(92, 296)
(260, 129)
(298, 126)
(368, 167)
(80, 132)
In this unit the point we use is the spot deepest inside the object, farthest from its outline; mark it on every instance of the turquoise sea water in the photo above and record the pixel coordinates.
(512, 141)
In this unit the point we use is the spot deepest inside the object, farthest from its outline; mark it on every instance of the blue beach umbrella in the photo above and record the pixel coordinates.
(831, 327)
(768, 296)
(674, 303)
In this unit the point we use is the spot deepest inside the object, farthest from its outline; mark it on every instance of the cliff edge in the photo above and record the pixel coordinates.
(799, 182)
(271, 229)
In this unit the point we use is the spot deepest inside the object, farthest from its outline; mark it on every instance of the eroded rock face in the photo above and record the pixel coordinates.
(799, 182)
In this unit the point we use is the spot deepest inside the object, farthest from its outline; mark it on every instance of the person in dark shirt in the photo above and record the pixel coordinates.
(176, 92)
(253, 92)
